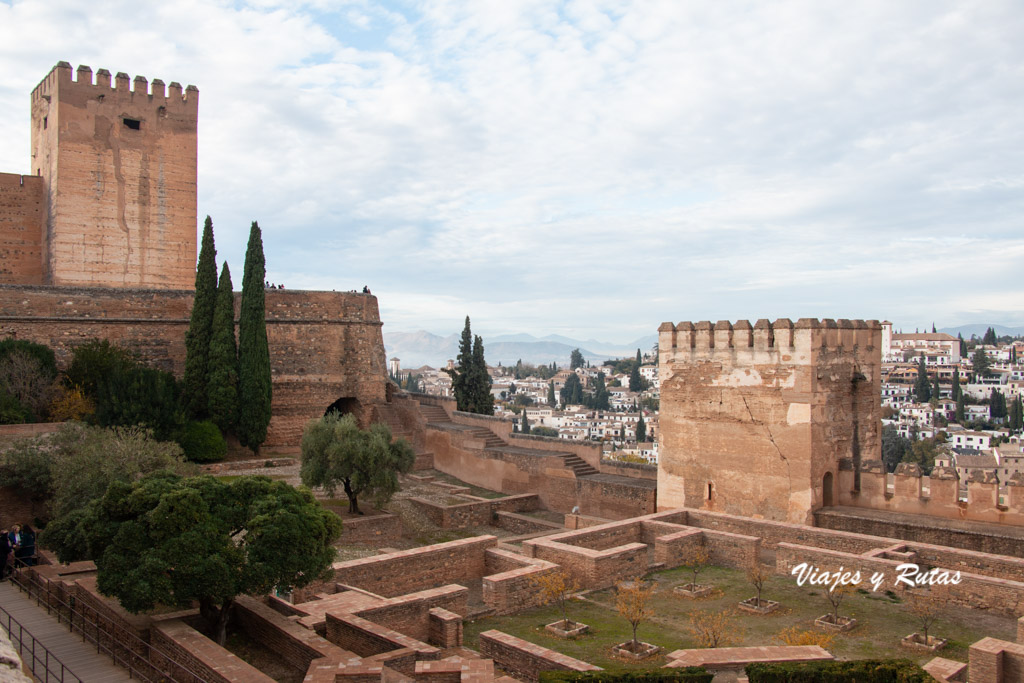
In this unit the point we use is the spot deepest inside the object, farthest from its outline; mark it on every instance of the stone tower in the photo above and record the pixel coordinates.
(118, 165)
(754, 419)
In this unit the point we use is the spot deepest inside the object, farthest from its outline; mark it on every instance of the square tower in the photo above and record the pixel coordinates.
(119, 168)
(754, 419)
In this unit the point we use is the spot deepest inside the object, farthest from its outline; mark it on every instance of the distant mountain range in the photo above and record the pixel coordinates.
(419, 348)
(979, 329)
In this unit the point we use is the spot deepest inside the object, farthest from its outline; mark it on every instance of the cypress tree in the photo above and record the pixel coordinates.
(1017, 421)
(200, 325)
(936, 392)
(460, 375)
(524, 426)
(254, 390)
(480, 381)
(960, 408)
(955, 390)
(641, 430)
(922, 392)
(223, 376)
(551, 394)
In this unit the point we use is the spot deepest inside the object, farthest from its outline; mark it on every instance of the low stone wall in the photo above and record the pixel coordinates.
(996, 661)
(365, 638)
(207, 662)
(474, 513)
(923, 529)
(772, 533)
(296, 645)
(629, 469)
(510, 584)
(974, 590)
(410, 614)
(380, 528)
(615, 497)
(408, 571)
(522, 525)
(524, 659)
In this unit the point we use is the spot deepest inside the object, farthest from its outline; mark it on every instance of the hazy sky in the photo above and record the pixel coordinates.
(589, 168)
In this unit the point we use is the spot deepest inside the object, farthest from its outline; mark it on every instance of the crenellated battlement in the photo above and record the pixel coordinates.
(120, 87)
(782, 334)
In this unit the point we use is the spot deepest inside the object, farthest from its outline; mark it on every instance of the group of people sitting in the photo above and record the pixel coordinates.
(19, 541)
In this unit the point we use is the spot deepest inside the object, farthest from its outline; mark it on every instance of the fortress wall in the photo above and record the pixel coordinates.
(119, 163)
(22, 221)
(323, 345)
(935, 495)
(754, 416)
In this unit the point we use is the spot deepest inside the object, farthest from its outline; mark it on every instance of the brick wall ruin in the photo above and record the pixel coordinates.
(754, 419)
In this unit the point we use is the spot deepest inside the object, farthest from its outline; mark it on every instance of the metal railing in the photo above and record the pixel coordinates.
(43, 664)
(126, 649)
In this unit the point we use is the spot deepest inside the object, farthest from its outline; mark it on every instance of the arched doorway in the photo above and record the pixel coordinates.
(826, 490)
(344, 406)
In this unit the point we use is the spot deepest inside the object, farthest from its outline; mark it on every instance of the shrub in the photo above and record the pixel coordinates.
(42, 353)
(794, 635)
(140, 396)
(71, 404)
(202, 442)
(28, 379)
(95, 360)
(856, 671)
(11, 410)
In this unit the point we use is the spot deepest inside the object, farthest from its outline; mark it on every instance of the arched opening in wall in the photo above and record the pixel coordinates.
(826, 490)
(344, 406)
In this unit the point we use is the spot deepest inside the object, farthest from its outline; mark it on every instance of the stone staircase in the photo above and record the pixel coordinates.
(490, 439)
(388, 415)
(435, 414)
(579, 466)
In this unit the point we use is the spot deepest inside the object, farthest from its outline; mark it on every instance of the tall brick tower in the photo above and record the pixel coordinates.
(756, 418)
(119, 169)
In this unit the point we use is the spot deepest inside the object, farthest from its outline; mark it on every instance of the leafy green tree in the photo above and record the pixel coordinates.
(137, 395)
(636, 380)
(922, 391)
(44, 354)
(552, 401)
(600, 398)
(222, 387)
(980, 364)
(28, 382)
(524, 425)
(572, 391)
(77, 463)
(641, 429)
(254, 386)
(894, 447)
(171, 541)
(541, 430)
(990, 337)
(363, 461)
(1016, 415)
(575, 359)
(200, 328)
(923, 452)
(93, 361)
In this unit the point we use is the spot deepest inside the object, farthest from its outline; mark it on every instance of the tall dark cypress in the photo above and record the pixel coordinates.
(223, 376)
(461, 375)
(254, 391)
(197, 338)
(480, 381)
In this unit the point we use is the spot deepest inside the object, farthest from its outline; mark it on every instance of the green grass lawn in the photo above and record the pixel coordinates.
(883, 621)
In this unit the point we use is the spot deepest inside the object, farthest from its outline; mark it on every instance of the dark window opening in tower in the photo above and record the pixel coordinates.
(134, 124)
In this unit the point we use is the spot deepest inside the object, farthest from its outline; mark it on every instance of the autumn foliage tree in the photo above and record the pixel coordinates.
(699, 558)
(714, 629)
(633, 603)
(556, 587)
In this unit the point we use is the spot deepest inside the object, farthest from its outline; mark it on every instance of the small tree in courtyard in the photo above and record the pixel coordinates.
(925, 610)
(633, 603)
(556, 587)
(757, 576)
(714, 629)
(835, 599)
(363, 461)
(699, 558)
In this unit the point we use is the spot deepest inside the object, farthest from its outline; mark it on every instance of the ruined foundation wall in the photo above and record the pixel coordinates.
(323, 345)
(753, 417)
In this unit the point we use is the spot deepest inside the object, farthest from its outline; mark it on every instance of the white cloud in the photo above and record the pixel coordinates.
(595, 167)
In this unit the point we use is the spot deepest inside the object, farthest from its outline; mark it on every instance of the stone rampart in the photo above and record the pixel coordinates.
(995, 661)
(175, 642)
(296, 645)
(936, 495)
(474, 513)
(510, 584)
(345, 363)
